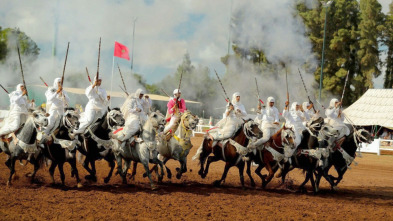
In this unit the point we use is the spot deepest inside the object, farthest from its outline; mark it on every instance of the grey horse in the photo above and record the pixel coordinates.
(25, 145)
(142, 152)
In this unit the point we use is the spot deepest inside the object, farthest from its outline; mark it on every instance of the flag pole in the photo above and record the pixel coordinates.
(113, 65)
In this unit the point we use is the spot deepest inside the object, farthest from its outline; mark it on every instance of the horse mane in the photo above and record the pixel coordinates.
(23, 134)
(239, 130)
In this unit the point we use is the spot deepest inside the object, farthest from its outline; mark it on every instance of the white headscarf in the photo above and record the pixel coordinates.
(175, 92)
(234, 101)
(55, 83)
(270, 99)
(138, 93)
(305, 105)
(332, 103)
(18, 87)
(293, 106)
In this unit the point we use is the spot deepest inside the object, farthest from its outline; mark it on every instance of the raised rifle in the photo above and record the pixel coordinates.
(23, 76)
(4, 89)
(88, 75)
(342, 96)
(226, 95)
(259, 98)
(124, 84)
(44, 82)
(305, 88)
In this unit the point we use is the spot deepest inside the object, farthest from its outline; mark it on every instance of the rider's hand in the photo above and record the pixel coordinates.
(147, 96)
(231, 107)
(259, 107)
(59, 89)
(24, 92)
(276, 123)
(108, 97)
(286, 103)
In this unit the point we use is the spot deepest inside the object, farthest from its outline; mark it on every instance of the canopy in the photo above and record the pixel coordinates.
(154, 97)
(375, 107)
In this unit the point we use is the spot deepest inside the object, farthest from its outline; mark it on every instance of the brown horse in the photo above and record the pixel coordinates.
(228, 153)
(273, 153)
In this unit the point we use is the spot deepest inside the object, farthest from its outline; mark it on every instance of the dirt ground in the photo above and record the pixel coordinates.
(365, 193)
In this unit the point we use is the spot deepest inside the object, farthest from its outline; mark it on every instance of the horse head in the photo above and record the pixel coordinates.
(71, 119)
(157, 119)
(189, 121)
(362, 136)
(315, 124)
(288, 137)
(39, 118)
(115, 118)
(251, 130)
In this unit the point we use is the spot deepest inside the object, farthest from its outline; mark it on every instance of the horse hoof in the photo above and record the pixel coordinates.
(178, 176)
(29, 174)
(9, 183)
(253, 184)
(177, 169)
(106, 180)
(144, 175)
(335, 188)
(217, 183)
(15, 177)
(160, 178)
(169, 176)
(79, 185)
(154, 187)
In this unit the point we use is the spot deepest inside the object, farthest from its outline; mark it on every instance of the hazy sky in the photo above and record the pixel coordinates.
(165, 31)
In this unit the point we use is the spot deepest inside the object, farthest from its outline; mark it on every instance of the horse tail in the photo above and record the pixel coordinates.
(199, 151)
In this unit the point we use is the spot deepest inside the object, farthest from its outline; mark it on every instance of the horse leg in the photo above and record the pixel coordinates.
(85, 165)
(93, 170)
(240, 166)
(36, 168)
(61, 171)
(249, 173)
(301, 187)
(202, 159)
(74, 171)
(146, 166)
(182, 169)
(52, 171)
(258, 172)
(217, 183)
(134, 166)
(11, 166)
(269, 177)
(341, 173)
(159, 162)
(112, 165)
(168, 171)
(123, 173)
(209, 161)
(314, 187)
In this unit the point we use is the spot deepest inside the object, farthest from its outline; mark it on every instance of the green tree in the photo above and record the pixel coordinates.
(14, 37)
(370, 30)
(388, 41)
(3, 47)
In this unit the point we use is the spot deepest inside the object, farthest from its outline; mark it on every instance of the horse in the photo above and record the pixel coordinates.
(61, 148)
(96, 143)
(310, 153)
(142, 152)
(343, 154)
(25, 143)
(273, 153)
(179, 145)
(231, 152)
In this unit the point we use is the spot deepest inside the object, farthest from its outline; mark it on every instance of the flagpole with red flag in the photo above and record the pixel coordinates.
(120, 51)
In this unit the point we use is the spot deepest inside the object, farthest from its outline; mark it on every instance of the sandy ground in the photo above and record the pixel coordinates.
(366, 192)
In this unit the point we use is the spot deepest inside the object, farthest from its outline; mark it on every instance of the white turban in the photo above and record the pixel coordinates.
(305, 105)
(333, 103)
(55, 83)
(236, 94)
(293, 107)
(18, 87)
(270, 99)
(138, 93)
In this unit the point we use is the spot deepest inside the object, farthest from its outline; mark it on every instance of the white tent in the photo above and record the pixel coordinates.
(375, 107)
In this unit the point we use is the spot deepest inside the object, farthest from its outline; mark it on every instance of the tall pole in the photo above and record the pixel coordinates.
(326, 6)
(133, 45)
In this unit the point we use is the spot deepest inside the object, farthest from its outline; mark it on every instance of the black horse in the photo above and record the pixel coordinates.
(96, 143)
(61, 148)
(344, 152)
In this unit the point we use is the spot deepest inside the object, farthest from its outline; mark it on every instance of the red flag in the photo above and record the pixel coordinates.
(121, 51)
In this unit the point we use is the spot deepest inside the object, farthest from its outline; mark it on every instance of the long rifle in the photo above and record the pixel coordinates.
(44, 82)
(124, 84)
(181, 76)
(259, 98)
(123, 90)
(65, 63)
(286, 80)
(23, 76)
(4, 89)
(88, 75)
(305, 88)
(98, 63)
(165, 93)
(342, 96)
(226, 95)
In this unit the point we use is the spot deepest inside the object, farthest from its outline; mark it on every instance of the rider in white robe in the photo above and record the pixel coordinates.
(18, 110)
(335, 118)
(270, 122)
(294, 119)
(234, 115)
(56, 100)
(135, 110)
(96, 107)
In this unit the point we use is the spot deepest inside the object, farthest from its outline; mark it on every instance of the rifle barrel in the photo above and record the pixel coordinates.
(65, 63)
(23, 76)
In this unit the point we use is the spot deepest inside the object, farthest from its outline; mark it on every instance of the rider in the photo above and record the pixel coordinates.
(307, 113)
(335, 118)
(234, 114)
(294, 118)
(270, 122)
(18, 111)
(96, 107)
(135, 110)
(176, 105)
(56, 100)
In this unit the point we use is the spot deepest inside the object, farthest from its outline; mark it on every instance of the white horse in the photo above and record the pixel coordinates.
(25, 145)
(179, 145)
(142, 152)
